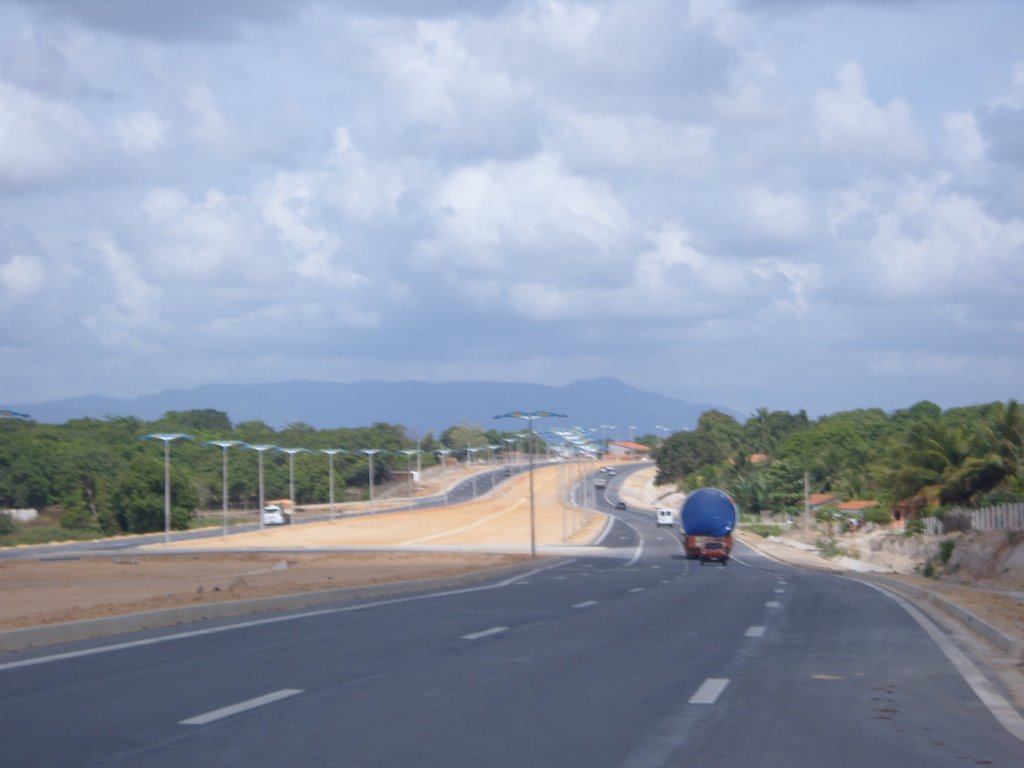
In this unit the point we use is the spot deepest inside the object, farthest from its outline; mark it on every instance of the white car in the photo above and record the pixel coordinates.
(666, 517)
(274, 515)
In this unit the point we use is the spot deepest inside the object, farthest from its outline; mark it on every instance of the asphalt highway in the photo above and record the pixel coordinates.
(641, 659)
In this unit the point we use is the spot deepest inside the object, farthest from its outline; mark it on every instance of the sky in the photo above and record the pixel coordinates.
(782, 203)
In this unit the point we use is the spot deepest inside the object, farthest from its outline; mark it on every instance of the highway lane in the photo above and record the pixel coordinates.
(591, 661)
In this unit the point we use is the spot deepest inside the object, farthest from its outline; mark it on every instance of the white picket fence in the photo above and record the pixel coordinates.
(1004, 517)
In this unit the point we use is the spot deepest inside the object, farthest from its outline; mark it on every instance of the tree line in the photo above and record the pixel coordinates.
(98, 475)
(918, 460)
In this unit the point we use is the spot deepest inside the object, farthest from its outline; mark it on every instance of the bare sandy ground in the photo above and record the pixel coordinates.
(433, 543)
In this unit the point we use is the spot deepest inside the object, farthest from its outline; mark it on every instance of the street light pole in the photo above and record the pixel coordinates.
(530, 417)
(370, 452)
(168, 438)
(408, 470)
(291, 476)
(260, 449)
(473, 452)
(331, 453)
(224, 445)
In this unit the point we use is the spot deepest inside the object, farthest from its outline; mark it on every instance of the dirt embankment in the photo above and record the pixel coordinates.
(446, 541)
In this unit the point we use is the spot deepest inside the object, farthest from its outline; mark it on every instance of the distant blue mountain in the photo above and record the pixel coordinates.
(418, 406)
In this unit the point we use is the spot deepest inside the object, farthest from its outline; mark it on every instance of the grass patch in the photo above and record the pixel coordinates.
(764, 530)
(45, 534)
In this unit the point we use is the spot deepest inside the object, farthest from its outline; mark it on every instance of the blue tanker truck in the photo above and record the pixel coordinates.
(708, 517)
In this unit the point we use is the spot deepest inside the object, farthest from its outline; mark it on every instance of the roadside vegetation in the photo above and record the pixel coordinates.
(914, 462)
(96, 477)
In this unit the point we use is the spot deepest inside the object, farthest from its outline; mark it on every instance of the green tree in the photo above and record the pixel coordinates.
(685, 453)
(138, 499)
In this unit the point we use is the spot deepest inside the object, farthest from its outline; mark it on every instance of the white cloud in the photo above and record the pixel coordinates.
(140, 133)
(923, 242)
(633, 144)
(124, 314)
(209, 124)
(362, 187)
(286, 204)
(776, 215)
(484, 211)
(849, 123)
(39, 137)
(215, 238)
(21, 276)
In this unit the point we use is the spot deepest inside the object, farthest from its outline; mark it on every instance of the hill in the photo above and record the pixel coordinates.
(419, 406)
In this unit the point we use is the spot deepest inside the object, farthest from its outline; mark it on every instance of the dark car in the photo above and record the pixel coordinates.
(620, 505)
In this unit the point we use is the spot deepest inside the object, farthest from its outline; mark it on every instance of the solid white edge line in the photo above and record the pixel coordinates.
(585, 604)
(273, 620)
(241, 706)
(484, 633)
(709, 691)
(1000, 708)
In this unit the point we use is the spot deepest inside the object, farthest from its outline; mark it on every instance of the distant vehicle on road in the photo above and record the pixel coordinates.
(600, 483)
(708, 517)
(666, 517)
(620, 505)
(273, 514)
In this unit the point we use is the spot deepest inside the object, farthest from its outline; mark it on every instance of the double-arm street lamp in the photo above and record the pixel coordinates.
(331, 453)
(508, 451)
(408, 469)
(224, 445)
(260, 449)
(370, 452)
(530, 417)
(291, 475)
(168, 438)
(443, 453)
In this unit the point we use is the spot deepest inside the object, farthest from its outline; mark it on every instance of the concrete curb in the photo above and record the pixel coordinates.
(1011, 646)
(50, 634)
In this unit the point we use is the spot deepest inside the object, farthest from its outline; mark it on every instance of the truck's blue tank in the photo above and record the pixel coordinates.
(708, 512)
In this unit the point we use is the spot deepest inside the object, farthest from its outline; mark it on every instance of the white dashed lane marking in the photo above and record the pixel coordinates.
(485, 633)
(709, 691)
(241, 706)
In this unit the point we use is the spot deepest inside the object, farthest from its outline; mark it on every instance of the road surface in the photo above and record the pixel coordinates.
(636, 659)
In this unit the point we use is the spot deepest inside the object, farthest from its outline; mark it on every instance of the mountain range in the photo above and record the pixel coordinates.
(419, 406)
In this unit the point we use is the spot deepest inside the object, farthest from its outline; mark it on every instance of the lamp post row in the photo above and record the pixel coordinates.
(168, 437)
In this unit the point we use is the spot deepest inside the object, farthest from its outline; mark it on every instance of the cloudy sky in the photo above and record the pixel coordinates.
(777, 203)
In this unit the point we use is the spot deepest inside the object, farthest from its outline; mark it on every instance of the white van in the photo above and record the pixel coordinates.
(274, 515)
(666, 517)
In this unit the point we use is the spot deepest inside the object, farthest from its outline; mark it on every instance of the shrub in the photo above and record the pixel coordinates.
(946, 550)
(877, 515)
